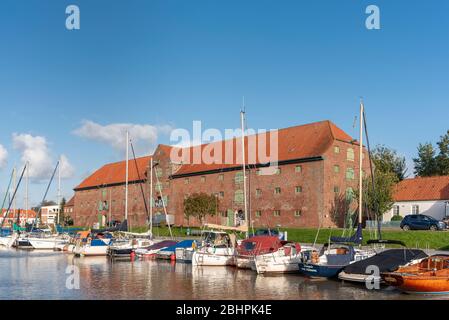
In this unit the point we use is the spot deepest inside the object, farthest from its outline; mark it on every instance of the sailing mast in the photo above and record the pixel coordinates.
(59, 189)
(127, 177)
(27, 181)
(151, 196)
(361, 163)
(242, 120)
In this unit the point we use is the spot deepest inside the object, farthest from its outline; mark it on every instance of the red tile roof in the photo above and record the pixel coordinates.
(115, 173)
(422, 189)
(22, 212)
(300, 142)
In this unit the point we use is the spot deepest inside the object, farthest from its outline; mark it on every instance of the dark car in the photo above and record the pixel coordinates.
(421, 222)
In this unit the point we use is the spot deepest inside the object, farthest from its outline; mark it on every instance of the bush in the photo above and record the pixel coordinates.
(397, 218)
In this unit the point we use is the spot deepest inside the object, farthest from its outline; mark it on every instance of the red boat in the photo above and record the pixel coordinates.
(254, 246)
(430, 276)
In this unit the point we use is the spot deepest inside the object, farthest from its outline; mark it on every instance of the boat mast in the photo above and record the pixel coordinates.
(361, 164)
(59, 189)
(242, 120)
(14, 207)
(127, 175)
(151, 196)
(27, 181)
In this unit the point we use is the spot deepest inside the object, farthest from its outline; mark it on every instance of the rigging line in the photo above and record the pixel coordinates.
(13, 196)
(39, 213)
(376, 204)
(141, 186)
(163, 204)
(7, 190)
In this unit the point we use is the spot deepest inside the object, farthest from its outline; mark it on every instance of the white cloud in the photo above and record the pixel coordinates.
(67, 170)
(144, 137)
(3, 157)
(35, 150)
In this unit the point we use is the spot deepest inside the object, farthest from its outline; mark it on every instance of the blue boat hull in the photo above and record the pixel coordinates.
(319, 271)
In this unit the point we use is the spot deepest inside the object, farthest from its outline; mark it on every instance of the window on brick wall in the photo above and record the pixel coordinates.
(221, 194)
(186, 181)
(258, 213)
(298, 189)
(336, 189)
(220, 177)
(298, 213)
(258, 192)
(298, 168)
(277, 190)
(238, 177)
(336, 149)
(278, 170)
(350, 175)
(336, 168)
(203, 179)
(224, 214)
(350, 154)
(238, 197)
(277, 213)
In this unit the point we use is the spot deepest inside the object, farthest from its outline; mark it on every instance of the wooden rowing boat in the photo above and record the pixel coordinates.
(430, 276)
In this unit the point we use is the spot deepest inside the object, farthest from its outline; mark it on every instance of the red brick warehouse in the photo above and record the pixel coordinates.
(313, 185)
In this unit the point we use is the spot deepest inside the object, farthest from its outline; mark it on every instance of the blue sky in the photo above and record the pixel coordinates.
(166, 63)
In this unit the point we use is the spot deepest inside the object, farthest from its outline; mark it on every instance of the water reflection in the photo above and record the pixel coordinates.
(42, 275)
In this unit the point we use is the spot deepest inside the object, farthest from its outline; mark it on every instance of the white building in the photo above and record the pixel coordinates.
(429, 196)
(49, 214)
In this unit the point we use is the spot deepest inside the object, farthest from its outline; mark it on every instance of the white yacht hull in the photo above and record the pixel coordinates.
(217, 257)
(46, 244)
(276, 264)
(87, 251)
(8, 241)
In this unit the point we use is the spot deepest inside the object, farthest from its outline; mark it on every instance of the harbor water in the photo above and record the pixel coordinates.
(46, 275)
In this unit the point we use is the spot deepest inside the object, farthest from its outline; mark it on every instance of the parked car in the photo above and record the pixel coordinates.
(421, 222)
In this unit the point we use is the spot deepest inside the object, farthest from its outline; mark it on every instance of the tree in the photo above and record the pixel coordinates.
(442, 159)
(378, 200)
(387, 160)
(426, 163)
(200, 205)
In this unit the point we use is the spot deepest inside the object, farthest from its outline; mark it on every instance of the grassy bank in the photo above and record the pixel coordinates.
(413, 239)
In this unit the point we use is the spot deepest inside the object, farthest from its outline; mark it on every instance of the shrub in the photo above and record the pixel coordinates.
(397, 218)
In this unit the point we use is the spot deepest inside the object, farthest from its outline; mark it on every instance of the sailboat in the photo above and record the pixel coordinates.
(218, 247)
(339, 251)
(7, 236)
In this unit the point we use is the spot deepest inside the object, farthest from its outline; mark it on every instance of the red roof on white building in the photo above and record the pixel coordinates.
(422, 189)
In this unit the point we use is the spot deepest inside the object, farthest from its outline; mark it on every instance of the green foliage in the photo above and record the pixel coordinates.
(426, 163)
(429, 163)
(379, 199)
(387, 160)
(397, 218)
(200, 205)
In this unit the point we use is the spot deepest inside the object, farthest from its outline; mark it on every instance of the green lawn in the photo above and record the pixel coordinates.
(413, 239)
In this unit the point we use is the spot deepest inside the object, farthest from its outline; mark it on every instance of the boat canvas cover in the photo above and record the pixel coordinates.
(386, 261)
(162, 244)
(259, 245)
(182, 244)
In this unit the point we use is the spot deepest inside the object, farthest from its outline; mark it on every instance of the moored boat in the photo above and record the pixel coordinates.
(93, 246)
(251, 247)
(430, 276)
(151, 251)
(216, 249)
(127, 249)
(283, 259)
